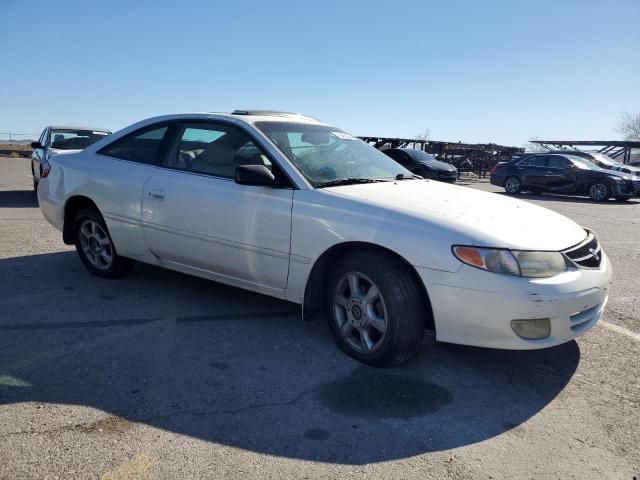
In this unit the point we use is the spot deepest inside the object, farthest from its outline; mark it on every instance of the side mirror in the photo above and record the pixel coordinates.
(257, 175)
(36, 145)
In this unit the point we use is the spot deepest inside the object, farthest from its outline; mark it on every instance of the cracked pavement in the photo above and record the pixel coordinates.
(162, 375)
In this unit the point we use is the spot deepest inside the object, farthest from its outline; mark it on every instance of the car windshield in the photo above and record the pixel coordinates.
(327, 155)
(72, 139)
(420, 155)
(599, 157)
(583, 163)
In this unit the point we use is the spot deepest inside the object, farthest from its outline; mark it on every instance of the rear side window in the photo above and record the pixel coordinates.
(538, 161)
(558, 162)
(142, 147)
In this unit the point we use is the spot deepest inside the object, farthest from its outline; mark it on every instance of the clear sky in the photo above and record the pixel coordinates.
(474, 71)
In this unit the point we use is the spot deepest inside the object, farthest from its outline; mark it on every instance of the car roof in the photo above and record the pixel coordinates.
(245, 116)
(75, 127)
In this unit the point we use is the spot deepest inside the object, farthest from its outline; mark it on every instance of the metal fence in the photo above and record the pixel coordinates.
(14, 136)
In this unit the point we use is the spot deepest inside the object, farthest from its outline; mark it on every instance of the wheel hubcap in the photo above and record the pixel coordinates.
(96, 245)
(359, 312)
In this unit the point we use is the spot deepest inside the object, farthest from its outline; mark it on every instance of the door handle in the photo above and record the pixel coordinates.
(156, 194)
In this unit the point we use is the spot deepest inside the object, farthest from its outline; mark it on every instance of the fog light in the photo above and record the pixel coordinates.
(533, 329)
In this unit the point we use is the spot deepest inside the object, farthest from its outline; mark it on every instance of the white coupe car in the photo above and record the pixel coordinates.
(287, 206)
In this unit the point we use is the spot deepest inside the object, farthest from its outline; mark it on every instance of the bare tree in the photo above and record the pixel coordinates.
(629, 126)
(424, 135)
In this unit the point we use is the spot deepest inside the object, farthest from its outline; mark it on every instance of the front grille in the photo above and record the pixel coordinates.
(636, 187)
(587, 254)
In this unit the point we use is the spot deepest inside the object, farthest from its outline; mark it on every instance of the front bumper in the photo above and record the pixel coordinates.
(627, 189)
(475, 307)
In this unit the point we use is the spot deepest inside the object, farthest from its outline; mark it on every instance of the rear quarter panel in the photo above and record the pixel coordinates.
(115, 186)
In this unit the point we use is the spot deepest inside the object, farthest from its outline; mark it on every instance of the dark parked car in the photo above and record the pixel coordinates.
(423, 164)
(604, 161)
(564, 174)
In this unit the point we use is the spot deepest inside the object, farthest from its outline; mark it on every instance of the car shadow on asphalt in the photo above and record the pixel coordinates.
(549, 197)
(18, 199)
(216, 363)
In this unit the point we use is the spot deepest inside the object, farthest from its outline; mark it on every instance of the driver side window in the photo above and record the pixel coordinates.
(214, 149)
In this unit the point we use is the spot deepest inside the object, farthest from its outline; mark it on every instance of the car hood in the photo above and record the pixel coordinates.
(480, 218)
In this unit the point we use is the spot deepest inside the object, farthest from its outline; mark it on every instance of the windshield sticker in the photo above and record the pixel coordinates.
(344, 136)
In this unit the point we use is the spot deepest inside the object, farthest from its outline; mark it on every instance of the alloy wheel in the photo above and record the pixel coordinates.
(512, 185)
(360, 312)
(598, 192)
(96, 244)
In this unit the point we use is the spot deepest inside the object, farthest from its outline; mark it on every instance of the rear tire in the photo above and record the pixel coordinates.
(95, 247)
(599, 192)
(376, 311)
(512, 185)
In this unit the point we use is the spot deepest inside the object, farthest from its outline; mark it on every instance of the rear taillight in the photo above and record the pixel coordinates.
(46, 170)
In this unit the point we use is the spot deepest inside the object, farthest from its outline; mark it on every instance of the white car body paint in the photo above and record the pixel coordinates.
(268, 240)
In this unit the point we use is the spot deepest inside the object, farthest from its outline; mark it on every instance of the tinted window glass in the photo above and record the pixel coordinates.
(538, 161)
(558, 162)
(141, 148)
(214, 149)
(397, 156)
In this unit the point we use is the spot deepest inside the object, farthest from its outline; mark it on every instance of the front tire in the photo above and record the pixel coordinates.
(599, 192)
(95, 247)
(512, 185)
(376, 311)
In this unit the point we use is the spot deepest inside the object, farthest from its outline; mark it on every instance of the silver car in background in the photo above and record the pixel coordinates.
(57, 139)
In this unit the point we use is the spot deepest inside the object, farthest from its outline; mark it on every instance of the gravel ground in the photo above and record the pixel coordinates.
(162, 375)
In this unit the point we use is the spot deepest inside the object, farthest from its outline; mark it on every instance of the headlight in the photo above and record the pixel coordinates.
(512, 262)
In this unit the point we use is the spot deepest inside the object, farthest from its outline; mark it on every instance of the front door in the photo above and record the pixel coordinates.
(533, 172)
(561, 177)
(39, 154)
(196, 216)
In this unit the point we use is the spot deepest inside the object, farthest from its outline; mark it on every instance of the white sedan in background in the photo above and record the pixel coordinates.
(287, 206)
(58, 139)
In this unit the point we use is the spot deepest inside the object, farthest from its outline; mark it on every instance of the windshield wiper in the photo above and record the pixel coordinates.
(349, 181)
(402, 176)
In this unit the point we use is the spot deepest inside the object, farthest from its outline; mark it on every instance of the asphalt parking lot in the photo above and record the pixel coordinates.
(163, 375)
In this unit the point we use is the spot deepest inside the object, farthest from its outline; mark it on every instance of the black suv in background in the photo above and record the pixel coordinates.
(423, 164)
(563, 174)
